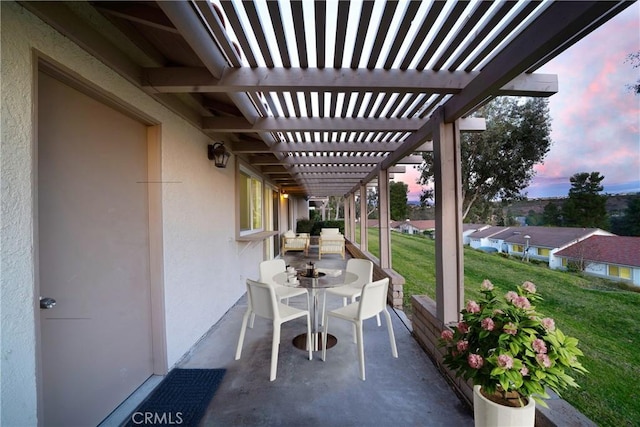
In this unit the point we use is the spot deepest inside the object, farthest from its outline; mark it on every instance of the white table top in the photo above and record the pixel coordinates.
(324, 282)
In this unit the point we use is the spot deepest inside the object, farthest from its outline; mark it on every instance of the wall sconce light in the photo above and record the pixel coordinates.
(285, 195)
(219, 154)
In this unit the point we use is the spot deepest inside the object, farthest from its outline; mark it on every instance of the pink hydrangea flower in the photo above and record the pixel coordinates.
(543, 360)
(486, 285)
(473, 307)
(487, 323)
(447, 335)
(539, 346)
(462, 345)
(510, 328)
(524, 371)
(505, 361)
(548, 324)
(510, 296)
(463, 327)
(521, 302)
(475, 361)
(497, 311)
(529, 287)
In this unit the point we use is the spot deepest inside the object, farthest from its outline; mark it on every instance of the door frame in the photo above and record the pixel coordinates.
(43, 63)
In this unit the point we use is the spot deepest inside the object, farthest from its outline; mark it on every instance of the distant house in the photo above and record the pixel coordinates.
(534, 243)
(485, 238)
(416, 226)
(613, 257)
(468, 229)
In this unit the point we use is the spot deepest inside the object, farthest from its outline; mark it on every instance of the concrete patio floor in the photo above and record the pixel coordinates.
(408, 390)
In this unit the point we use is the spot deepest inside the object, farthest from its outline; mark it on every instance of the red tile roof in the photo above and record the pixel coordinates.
(620, 250)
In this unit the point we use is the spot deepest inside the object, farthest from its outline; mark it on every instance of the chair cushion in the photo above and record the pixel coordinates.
(290, 233)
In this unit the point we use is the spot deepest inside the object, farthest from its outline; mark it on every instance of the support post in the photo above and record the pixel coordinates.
(448, 195)
(384, 215)
(363, 218)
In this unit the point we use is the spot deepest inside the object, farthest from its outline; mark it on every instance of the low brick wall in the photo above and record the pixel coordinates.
(427, 329)
(396, 281)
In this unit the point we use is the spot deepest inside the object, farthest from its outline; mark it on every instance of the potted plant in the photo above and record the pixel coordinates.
(511, 353)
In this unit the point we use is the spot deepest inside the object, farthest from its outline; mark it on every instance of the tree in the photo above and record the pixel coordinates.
(551, 215)
(398, 200)
(585, 207)
(498, 163)
(629, 223)
(634, 59)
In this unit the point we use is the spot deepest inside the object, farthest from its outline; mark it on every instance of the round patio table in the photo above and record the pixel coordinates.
(315, 286)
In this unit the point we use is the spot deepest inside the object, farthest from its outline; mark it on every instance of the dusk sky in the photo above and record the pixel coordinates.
(595, 117)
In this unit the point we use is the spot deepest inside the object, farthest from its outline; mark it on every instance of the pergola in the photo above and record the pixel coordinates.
(326, 97)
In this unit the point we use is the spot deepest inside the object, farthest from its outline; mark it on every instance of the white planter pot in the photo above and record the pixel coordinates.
(489, 414)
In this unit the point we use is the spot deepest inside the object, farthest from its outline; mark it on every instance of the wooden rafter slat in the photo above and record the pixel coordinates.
(309, 105)
(238, 29)
(283, 104)
(396, 104)
(296, 104)
(256, 26)
(298, 26)
(341, 32)
(479, 37)
(383, 104)
(385, 23)
(506, 30)
(363, 26)
(428, 109)
(405, 25)
(421, 34)
(212, 19)
(462, 33)
(276, 20)
(442, 33)
(320, 8)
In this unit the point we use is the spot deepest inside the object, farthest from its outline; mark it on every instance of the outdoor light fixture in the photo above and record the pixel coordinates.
(218, 154)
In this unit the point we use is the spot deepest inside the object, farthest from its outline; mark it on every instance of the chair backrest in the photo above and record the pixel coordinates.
(373, 299)
(263, 299)
(270, 268)
(363, 268)
(330, 231)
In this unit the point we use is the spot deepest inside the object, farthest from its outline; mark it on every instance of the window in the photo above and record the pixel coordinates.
(543, 252)
(622, 272)
(565, 262)
(250, 203)
(518, 248)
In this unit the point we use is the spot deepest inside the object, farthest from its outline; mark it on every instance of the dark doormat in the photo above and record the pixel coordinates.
(179, 400)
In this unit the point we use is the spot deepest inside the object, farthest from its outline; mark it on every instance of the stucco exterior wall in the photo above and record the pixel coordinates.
(204, 267)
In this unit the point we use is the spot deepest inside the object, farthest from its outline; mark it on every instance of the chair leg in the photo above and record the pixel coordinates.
(324, 337)
(275, 345)
(309, 336)
(378, 319)
(360, 349)
(243, 329)
(392, 338)
(253, 319)
(324, 307)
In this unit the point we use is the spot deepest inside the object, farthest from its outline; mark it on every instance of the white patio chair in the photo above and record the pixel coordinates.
(364, 269)
(266, 305)
(372, 301)
(270, 268)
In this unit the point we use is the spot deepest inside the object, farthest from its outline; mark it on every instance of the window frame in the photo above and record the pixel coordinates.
(253, 177)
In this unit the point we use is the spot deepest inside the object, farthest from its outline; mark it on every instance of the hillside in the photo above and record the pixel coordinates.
(616, 203)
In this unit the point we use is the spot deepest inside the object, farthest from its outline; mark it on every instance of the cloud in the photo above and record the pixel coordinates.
(596, 119)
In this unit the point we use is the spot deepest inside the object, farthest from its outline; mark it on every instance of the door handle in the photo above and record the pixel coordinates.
(47, 303)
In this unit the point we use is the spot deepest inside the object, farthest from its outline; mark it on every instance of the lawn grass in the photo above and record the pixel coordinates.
(599, 313)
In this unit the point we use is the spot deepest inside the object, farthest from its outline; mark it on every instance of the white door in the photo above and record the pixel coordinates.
(93, 249)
